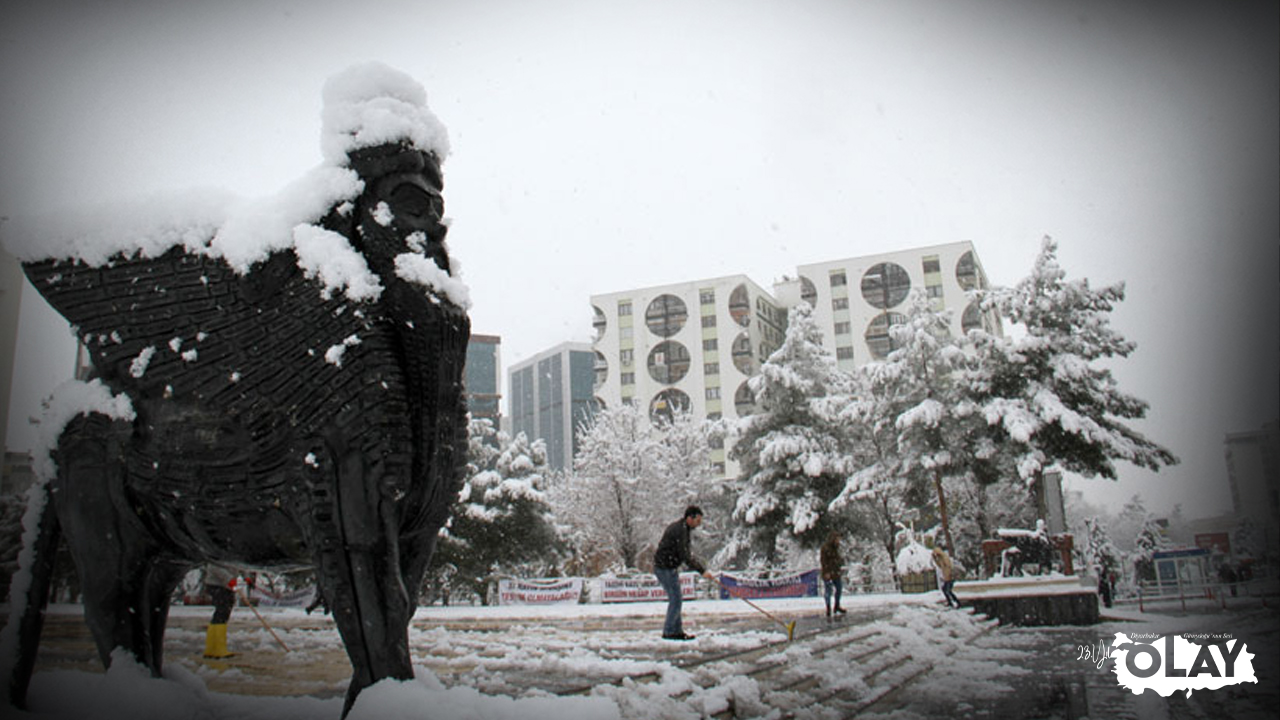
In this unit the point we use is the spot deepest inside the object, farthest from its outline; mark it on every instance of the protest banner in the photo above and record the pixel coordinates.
(644, 588)
(549, 591)
(798, 585)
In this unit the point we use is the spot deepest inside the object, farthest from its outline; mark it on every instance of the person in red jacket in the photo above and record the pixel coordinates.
(673, 551)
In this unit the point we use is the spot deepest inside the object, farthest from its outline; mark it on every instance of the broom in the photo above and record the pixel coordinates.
(790, 627)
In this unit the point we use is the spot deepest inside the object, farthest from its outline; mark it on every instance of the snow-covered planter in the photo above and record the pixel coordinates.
(915, 569)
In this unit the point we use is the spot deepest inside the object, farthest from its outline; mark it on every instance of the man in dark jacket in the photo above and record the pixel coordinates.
(673, 551)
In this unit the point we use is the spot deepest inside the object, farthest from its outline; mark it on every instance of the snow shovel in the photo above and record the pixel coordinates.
(245, 596)
(789, 626)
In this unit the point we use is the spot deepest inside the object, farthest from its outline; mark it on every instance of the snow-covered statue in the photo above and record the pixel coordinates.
(1027, 547)
(275, 384)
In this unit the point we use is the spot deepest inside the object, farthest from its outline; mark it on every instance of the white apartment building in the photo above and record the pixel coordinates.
(696, 343)
(856, 300)
(690, 344)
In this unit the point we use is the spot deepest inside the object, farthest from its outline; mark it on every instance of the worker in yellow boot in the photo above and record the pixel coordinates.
(220, 583)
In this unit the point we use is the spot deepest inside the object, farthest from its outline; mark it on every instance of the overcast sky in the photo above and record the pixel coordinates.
(600, 146)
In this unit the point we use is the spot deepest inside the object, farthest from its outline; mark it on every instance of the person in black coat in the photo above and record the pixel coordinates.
(673, 551)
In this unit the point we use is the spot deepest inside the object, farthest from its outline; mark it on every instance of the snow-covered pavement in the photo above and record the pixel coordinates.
(894, 656)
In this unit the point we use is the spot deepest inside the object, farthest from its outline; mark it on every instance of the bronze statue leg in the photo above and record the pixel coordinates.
(358, 560)
(126, 601)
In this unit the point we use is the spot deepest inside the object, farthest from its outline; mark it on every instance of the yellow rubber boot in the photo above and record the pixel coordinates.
(215, 641)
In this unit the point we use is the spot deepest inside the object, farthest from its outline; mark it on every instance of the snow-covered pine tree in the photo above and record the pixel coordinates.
(502, 522)
(1245, 540)
(791, 450)
(877, 492)
(935, 418)
(1101, 554)
(1128, 523)
(1150, 540)
(1043, 392)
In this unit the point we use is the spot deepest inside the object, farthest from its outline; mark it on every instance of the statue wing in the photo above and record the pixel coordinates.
(187, 325)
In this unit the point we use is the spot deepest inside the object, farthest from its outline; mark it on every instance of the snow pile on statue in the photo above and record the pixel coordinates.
(276, 384)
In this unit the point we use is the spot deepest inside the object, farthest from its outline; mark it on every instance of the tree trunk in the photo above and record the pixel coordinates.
(942, 512)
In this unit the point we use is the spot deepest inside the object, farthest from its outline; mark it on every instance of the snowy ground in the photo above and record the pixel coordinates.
(896, 657)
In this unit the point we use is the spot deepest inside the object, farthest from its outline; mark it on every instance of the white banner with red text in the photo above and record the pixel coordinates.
(643, 588)
(549, 591)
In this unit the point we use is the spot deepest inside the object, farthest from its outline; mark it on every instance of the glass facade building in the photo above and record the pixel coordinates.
(551, 396)
(483, 377)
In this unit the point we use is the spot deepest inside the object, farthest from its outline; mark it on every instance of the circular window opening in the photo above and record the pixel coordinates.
(879, 338)
(744, 401)
(601, 369)
(971, 319)
(885, 285)
(808, 291)
(668, 362)
(743, 358)
(666, 315)
(740, 306)
(599, 323)
(967, 271)
(666, 404)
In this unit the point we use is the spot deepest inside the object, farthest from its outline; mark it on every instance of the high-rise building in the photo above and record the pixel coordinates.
(550, 395)
(482, 377)
(691, 345)
(696, 343)
(855, 301)
(1253, 469)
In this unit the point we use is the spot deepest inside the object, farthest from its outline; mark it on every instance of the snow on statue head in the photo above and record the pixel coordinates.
(371, 104)
(278, 385)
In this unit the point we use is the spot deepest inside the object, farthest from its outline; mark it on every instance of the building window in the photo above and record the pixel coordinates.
(666, 315)
(885, 285)
(628, 378)
(710, 344)
(711, 368)
(668, 362)
(740, 305)
(844, 328)
(930, 264)
(708, 321)
(742, 354)
(844, 353)
(967, 272)
(838, 279)
(707, 297)
(713, 393)
(601, 368)
(879, 338)
(624, 307)
(627, 356)
(841, 303)
(599, 323)
(808, 291)
(666, 404)
(934, 291)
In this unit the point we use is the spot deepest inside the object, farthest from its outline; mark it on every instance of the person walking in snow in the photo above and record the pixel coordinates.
(832, 568)
(945, 573)
(673, 551)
